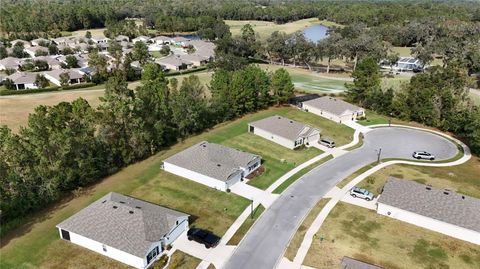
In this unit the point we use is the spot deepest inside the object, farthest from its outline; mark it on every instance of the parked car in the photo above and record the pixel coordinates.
(203, 237)
(361, 193)
(423, 155)
(327, 142)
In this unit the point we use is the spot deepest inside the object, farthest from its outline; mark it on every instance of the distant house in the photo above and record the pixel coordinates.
(10, 63)
(179, 41)
(405, 64)
(440, 210)
(25, 43)
(53, 76)
(142, 38)
(333, 109)
(99, 39)
(193, 59)
(51, 61)
(288, 133)
(32, 51)
(203, 48)
(213, 165)
(349, 263)
(121, 38)
(23, 80)
(125, 229)
(161, 40)
(173, 62)
(60, 41)
(40, 41)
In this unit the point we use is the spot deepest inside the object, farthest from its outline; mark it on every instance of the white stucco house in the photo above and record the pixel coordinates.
(23, 80)
(32, 51)
(333, 109)
(142, 38)
(53, 76)
(213, 165)
(173, 62)
(10, 63)
(439, 210)
(288, 133)
(125, 229)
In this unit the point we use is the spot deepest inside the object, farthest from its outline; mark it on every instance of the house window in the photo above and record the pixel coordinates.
(65, 235)
(152, 255)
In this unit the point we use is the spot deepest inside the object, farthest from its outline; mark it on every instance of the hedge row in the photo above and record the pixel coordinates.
(49, 89)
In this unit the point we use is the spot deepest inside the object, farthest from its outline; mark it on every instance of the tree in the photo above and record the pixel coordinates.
(230, 54)
(66, 51)
(140, 52)
(282, 86)
(41, 53)
(115, 50)
(165, 50)
(64, 79)
(72, 61)
(189, 107)
(3, 52)
(41, 81)
(9, 85)
(88, 34)
(18, 50)
(366, 78)
(99, 63)
(41, 65)
(330, 48)
(277, 48)
(423, 53)
(392, 59)
(52, 49)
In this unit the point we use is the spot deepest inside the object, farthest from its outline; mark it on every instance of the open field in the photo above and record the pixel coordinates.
(265, 28)
(463, 178)
(14, 109)
(182, 260)
(297, 239)
(362, 234)
(34, 244)
(240, 233)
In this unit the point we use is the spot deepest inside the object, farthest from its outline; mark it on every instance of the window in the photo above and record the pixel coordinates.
(65, 235)
(152, 255)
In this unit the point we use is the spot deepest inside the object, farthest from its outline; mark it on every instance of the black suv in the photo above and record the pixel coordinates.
(203, 237)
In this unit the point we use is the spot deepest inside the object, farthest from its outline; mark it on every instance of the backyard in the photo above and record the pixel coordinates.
(362, 234)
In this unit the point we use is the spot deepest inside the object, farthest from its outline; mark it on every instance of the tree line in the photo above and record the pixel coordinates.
(71, 144)
(438, 98)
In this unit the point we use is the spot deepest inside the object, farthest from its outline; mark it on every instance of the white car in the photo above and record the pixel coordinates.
(423, 155)
(361, 193)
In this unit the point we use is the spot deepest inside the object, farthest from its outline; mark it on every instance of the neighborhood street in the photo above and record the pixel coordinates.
(265, 243)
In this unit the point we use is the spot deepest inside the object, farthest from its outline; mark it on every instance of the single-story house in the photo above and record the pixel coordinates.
(213, 165)
(10, 63)
(179, 41)
(23, 80)
(333, 108)
(440, 210)
(142, 38)
(54, 76)
(194, 59)
(288, 133)
(173, 62)
(404, 64)
(52, 62)
(121, 38)
(125, 229)
(99, 39)
(82, 59)
(33, 50)
(349, 263)
(80, 47)
(40, 41)
(60, 41)
(161, 40)
(25, 43)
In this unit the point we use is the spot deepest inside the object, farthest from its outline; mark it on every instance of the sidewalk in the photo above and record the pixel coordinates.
(354, 125)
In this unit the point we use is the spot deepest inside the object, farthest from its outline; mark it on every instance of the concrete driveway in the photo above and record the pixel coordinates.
(265, 243)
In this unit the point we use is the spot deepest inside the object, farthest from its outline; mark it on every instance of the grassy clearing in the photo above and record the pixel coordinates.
(360, 171)
(297, 239)
(298, 175)
(265, 28)
(462, 178)
(358, 145)
(182, 260)
(363, 234)
(240, 233)
(15, 108)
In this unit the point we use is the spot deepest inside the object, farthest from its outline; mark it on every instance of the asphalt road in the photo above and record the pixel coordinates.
(265, 243)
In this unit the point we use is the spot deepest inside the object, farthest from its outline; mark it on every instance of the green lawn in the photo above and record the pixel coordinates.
(363, 234)
(246, 225)
(157, 54)
(182, 260)
(299, 174)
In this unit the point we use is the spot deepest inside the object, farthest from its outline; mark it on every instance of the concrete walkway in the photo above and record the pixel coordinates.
(356, 126)
(254, 194)
(337, 194)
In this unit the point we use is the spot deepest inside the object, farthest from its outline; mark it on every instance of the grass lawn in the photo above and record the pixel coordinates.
(240, 233)
(299, 174)
(362, 234)
(297, 239)
(462, 178)
(308, 81)
(403, 51)
(265, 28)
(182, 260)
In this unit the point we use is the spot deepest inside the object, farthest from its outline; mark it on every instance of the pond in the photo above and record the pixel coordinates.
(316, 33)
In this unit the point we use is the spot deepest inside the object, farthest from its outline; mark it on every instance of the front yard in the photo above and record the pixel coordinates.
(362, 234)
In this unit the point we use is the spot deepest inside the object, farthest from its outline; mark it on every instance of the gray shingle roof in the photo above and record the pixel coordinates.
(72, 73)
(23, 77)
(349, 263)
(212, 160)
(133, 233)
(453, 208)
(10, 62)
(333, 105)
(284, 127)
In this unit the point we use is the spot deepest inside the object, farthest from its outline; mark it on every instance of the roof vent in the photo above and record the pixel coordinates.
(203, 145)
(104, 201)
(139, 207)
(122, 202)
(429, 187)
(115, 207)
(131, 212)
(279, 117)
(446, 192)
(219, 165)
(463, 197)
(291, 121)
